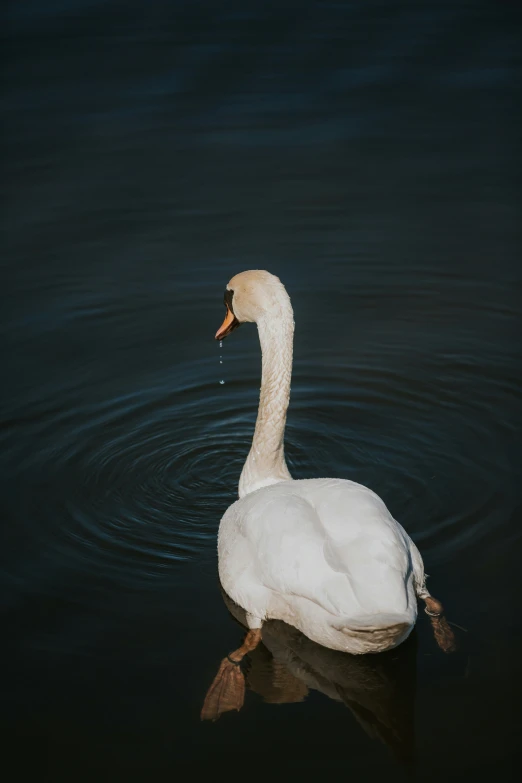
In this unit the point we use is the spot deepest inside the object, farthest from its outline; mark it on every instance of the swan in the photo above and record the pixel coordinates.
(323, 555)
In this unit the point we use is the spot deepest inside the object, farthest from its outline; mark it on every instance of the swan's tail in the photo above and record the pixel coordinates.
(379, 632)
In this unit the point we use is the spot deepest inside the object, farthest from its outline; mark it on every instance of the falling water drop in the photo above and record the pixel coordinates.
(221, 360)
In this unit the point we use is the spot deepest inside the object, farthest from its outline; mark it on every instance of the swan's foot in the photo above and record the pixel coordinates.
(227, 691)
(444, 636)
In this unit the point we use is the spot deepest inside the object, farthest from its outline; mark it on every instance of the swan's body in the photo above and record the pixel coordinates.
(323, 555)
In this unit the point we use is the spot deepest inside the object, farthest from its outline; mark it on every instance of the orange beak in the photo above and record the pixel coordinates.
(229, 324)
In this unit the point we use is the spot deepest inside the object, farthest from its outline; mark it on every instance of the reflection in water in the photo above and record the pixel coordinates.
(378, 689)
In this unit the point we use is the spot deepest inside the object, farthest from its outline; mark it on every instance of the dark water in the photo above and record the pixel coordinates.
(365, 152)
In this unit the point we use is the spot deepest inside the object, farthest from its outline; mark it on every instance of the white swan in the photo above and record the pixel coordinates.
(323, 555)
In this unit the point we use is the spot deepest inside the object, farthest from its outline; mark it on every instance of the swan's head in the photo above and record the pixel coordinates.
(249, 297)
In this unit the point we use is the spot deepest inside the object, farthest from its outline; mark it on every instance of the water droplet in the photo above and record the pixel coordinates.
(222, 382)
(220, 362)
(221, 343)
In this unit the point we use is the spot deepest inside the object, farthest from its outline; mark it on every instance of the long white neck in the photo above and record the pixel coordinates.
(265, 463)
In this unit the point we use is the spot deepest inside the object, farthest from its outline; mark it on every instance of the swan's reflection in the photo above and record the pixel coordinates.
(378, 689)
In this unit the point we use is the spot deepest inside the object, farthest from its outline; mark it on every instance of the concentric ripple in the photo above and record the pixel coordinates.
(133, 485)
(140, 481)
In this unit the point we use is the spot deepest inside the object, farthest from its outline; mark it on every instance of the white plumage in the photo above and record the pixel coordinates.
(324, 555)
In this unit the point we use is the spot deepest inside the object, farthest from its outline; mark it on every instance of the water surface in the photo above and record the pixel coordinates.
(367, 153)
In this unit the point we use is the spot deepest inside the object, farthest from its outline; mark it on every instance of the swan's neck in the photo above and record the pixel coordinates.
(265, 463)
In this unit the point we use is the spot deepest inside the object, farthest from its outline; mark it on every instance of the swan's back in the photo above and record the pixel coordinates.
(330, 543)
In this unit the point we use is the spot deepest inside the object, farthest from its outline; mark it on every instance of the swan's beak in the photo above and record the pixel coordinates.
(229, 324)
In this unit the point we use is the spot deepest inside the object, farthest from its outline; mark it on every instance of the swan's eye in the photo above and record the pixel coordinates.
(229, 295)
(230, 323)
